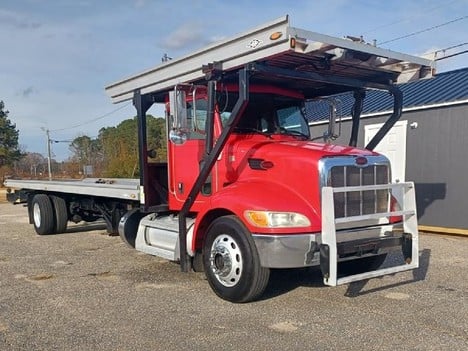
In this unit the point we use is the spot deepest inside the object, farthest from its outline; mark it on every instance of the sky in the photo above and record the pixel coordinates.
(56, 56)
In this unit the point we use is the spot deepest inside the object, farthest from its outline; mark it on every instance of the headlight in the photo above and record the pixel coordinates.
(268, 219)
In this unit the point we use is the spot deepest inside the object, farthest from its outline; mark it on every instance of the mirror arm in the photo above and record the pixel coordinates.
(209, 124)
(359, 96)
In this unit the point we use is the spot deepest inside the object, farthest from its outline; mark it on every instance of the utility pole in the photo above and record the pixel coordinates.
(48, 152)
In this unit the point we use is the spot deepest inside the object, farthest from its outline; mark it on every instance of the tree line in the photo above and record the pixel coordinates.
(113, 153)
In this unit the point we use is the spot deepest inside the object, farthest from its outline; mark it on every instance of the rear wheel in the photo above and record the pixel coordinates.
(61, 214)
(231, 261)
(43, 214)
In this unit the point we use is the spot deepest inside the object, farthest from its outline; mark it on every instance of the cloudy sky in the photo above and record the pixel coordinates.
(58, 55)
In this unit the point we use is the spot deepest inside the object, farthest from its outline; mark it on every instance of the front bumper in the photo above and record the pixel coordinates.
(335, 243)
(303, 250)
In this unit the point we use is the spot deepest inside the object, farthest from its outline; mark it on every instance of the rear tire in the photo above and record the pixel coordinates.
(231, 261)
(61, 214)
(43, 214)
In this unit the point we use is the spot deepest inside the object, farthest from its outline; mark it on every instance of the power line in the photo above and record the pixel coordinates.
(92, 120)
(444, 50)
(449, 48)
(445, 4)
(452, 55)
(424, 30)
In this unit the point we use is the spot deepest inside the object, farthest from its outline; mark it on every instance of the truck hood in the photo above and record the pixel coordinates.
(279, 146)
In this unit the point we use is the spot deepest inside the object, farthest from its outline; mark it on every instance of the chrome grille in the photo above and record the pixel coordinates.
(343, 172)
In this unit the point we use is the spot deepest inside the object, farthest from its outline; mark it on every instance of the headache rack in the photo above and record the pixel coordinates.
(277, 45)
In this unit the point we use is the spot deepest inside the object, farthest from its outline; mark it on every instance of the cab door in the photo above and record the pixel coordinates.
(186, 145)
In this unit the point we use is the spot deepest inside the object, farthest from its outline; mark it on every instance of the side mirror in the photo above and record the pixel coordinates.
(199, 110)
(331, 133)
(178, 115)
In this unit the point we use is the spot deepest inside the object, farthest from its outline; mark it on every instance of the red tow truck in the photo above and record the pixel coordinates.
(246, 188)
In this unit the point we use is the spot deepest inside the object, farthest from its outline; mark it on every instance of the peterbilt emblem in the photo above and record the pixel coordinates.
(361, 161)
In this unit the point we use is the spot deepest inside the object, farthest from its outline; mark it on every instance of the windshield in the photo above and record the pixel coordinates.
(267, 113)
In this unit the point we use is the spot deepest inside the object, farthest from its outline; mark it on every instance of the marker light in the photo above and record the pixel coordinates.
(292, 43)
(276, 35)
(268, 219)
(395, 206)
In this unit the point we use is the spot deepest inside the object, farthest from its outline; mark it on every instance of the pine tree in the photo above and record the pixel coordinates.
(9, 148)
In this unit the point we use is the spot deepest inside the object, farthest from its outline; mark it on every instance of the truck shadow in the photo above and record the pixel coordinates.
(356, 289)
(283, 281)
(85, 227)
(426, 194)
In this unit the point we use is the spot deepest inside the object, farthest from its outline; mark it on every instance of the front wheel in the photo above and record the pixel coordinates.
(232, 264)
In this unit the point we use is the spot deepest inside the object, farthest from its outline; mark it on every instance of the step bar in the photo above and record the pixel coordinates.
(329, 247)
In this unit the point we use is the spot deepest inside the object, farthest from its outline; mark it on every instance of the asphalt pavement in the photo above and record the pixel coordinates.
(85, 290)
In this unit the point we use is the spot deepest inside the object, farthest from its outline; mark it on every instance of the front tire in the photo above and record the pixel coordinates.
(232, 264)
(43, 214)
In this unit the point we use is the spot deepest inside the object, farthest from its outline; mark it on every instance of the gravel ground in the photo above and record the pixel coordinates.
(85, 290)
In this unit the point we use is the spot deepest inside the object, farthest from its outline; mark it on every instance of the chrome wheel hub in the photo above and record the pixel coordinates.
(37, 215)
(226, 260)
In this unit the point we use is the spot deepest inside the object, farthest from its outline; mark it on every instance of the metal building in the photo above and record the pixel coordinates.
(428, 145)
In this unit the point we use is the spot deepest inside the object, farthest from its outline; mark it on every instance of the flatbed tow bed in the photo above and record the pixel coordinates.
(87, 200)
(115, 188)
